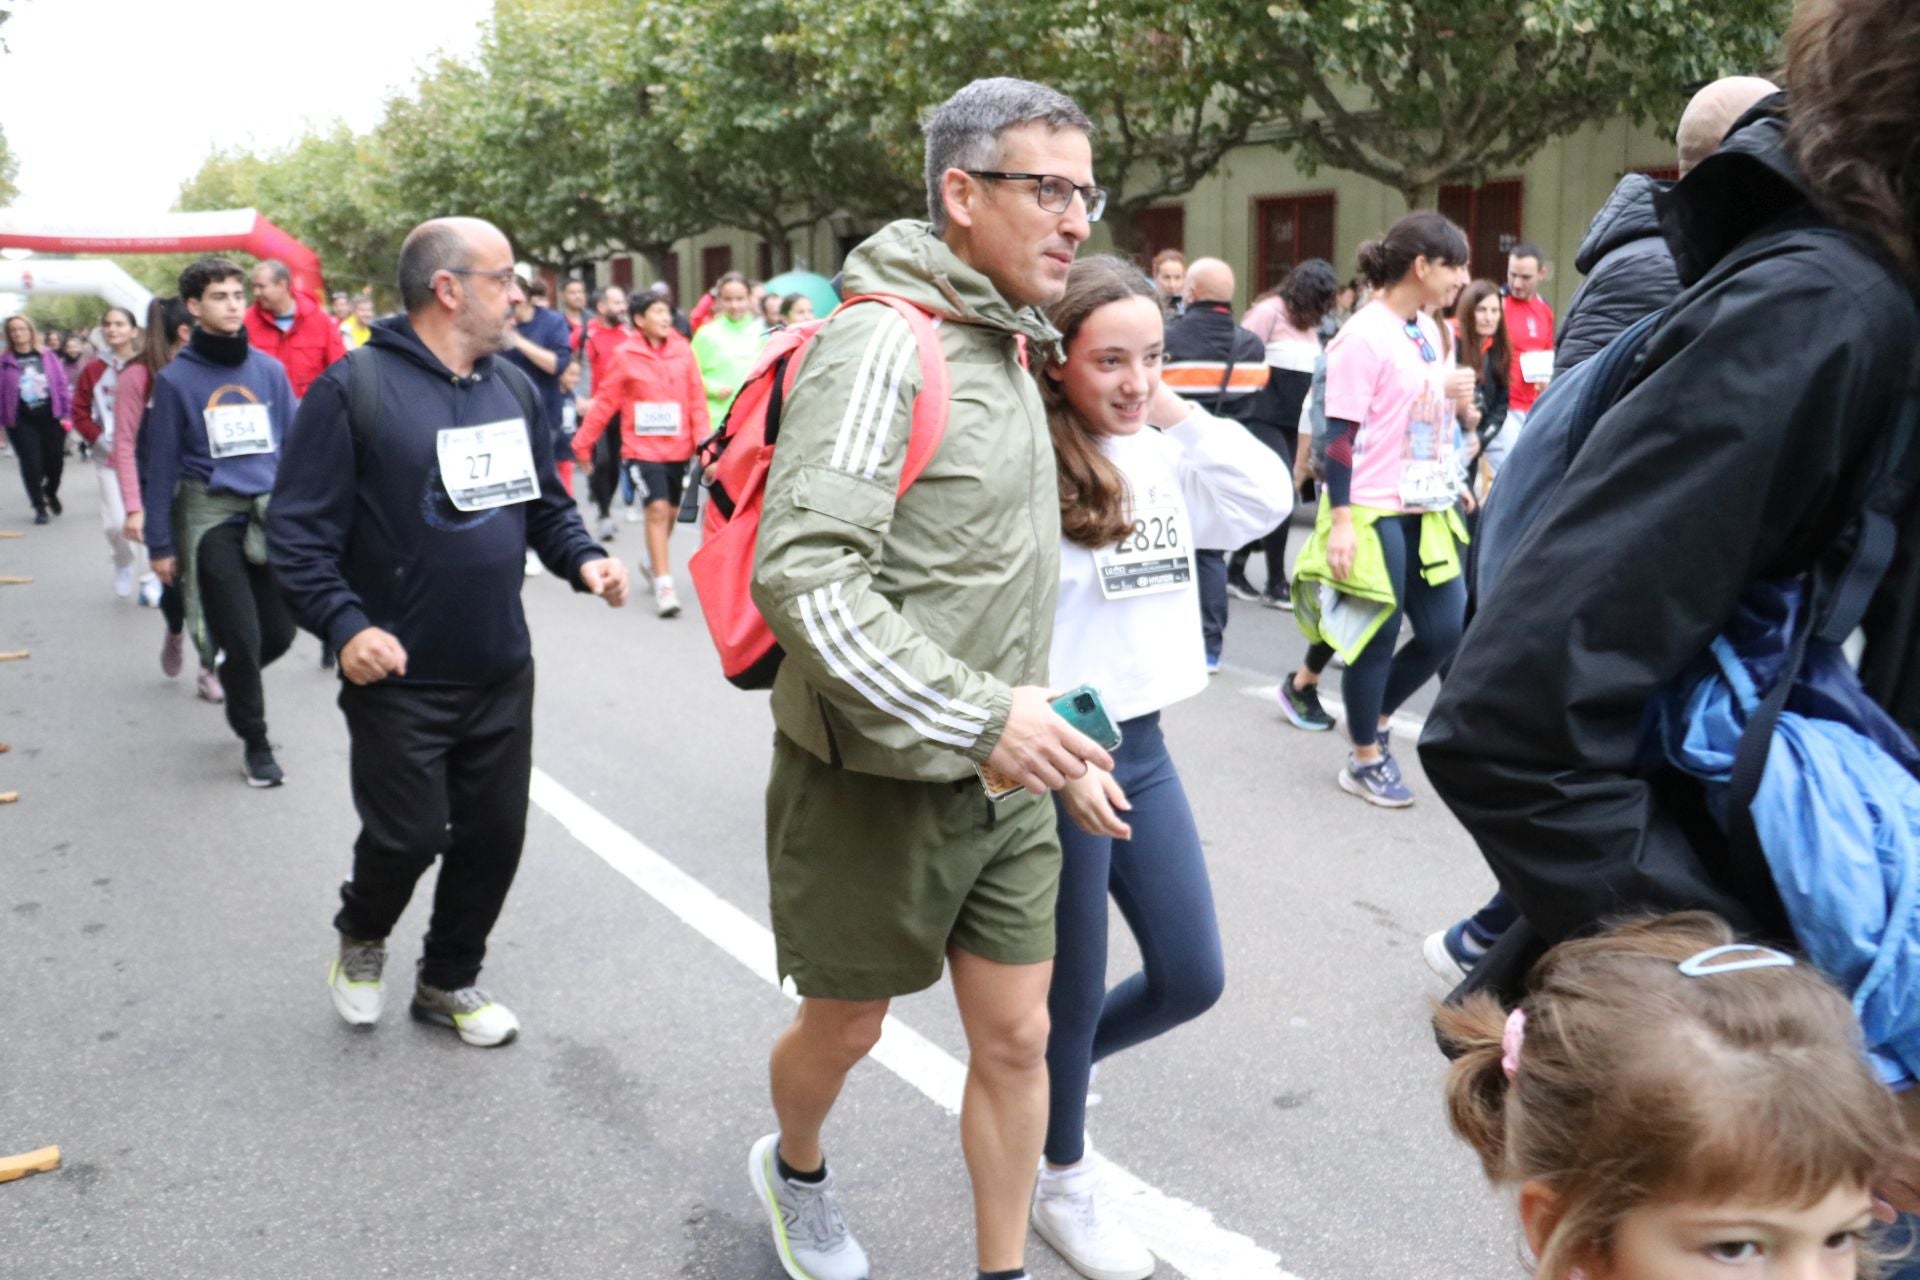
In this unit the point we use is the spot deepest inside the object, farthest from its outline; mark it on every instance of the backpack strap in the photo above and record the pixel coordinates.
(522, 389)
(930, 405)
(363, 398)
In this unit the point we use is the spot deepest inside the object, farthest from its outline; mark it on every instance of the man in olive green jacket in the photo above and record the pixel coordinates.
(916, 635)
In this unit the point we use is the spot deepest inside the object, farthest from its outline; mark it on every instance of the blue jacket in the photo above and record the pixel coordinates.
(375, 541)
(209, 372)
(547, 329)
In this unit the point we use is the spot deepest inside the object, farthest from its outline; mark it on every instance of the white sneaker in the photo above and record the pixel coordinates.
(469, 1011)
(123, 581)
(665, 600)
(633, 513)
(150, 591)
(810, 1234)
(1072, 1212)
(534, 568)
(354, 981)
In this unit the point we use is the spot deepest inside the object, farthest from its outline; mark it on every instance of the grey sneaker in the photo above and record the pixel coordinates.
(469, 1011)
(810, 1233)
(354, 981)
(1377, 783)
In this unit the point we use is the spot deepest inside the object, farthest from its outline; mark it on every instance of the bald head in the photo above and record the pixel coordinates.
(1712, 112)
(1209, 280)
(443, 244)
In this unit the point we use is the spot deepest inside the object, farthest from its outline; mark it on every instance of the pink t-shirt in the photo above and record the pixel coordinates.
(1379, 375)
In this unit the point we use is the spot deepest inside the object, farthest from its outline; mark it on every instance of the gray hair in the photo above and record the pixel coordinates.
(429, 248)
(964, 132)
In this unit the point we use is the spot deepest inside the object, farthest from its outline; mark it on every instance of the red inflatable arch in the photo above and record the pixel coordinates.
(210, 232)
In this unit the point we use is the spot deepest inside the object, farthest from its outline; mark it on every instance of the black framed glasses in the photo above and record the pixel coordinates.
(1053, 192)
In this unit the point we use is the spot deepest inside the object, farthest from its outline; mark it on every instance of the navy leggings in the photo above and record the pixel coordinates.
(1159, 880)
(1379, 680)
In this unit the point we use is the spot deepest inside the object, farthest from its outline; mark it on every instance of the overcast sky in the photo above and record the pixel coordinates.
(82, 89)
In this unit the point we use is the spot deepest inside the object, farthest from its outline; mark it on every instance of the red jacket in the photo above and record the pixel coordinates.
(645, 375)
(83, 420)
(307, 349)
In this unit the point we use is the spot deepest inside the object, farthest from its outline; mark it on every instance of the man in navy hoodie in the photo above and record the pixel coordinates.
(213, 435)
(401, 541)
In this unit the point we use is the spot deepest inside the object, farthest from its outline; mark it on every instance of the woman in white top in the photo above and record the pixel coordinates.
(1145, 477)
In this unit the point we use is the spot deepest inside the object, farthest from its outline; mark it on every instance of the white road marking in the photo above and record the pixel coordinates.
(1402, 722)
(1183, 1234)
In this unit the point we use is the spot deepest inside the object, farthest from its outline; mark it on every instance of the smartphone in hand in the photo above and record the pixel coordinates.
(1081, 708)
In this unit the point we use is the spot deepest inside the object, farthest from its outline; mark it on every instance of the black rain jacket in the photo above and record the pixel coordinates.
(1628, 268)
(1737, 453)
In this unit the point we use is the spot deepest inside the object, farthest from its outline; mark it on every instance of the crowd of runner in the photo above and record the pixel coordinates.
(1652, 1047)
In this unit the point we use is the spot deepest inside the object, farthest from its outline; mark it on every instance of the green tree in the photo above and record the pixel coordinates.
(1417, 93)
(9, 170)
(1148, 74)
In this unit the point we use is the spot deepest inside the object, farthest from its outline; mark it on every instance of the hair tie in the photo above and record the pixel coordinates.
(1510, 1041)
(1708, 963)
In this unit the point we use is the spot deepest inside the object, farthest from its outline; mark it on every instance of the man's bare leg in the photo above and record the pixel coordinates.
(1003, 1120)
(810, 1063)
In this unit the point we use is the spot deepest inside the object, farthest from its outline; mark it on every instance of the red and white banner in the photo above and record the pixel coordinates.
(208, 232)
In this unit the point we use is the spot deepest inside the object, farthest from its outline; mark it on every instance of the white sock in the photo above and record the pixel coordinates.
(662, 580)
(1068, 1180)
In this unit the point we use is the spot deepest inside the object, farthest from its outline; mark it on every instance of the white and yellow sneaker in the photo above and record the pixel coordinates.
(354, 981)
(469, 1011)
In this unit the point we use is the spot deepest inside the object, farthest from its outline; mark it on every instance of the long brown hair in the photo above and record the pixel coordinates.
(1500, 355)
(33, 332)
(1853, 76)
(1093, 492)
(1636, 1083)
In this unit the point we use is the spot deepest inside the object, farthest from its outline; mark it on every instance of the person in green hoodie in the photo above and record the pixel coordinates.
(727, 345)
(916, 628)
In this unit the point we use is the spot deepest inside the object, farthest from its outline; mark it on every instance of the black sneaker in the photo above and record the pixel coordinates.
(1281, 597)
(53, 504)
(1303, 707)
(41, 517)
(1239, 588)
(261, 771)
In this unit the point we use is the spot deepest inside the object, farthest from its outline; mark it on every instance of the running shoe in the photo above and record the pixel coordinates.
(469, 1011)
(260, 770)
(1239, 588)
(1073, 1213)
(633, 513)
(149, 592)
(354, 981)
(1377, 783)
(1302, 707)
(53, 505)
(208, 686)
(665, 600)
(123, 581)
(170, 652)
(1281, 597)
(1213, 666)
(534, 567)
(1452, 953)
(607, 532)
(41, 517)
(810, 1234)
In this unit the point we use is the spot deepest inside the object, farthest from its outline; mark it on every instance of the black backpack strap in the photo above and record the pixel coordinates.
(522, 389)
(1830, 611)
(363, 398)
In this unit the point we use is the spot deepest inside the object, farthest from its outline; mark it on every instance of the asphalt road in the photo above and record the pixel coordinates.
(165, 936)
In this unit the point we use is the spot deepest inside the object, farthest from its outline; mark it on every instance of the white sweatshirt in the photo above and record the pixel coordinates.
(1204, 483)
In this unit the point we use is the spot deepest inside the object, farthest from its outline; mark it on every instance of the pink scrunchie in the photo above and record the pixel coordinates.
(1510, 1041)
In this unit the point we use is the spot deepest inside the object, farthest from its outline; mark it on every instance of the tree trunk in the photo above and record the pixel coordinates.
(1122, 222)
(1421, 195)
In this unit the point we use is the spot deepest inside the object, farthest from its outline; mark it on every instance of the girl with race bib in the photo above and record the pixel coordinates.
(653, 385)
(1669, 1103)
(1145, 476)
(1387, 538)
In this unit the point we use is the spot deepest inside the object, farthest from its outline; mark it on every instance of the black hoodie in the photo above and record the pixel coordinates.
(1628, 268)
(1737, 454)
(375, 540)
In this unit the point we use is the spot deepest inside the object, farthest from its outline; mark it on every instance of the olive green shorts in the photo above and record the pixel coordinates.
(872, 879)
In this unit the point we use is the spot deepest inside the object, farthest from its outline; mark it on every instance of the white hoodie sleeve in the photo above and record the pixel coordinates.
(1236, 488)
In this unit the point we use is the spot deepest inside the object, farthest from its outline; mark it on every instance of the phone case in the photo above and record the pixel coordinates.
(1080, 708)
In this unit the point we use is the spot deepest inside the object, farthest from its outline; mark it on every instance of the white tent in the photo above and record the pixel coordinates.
(98, 277)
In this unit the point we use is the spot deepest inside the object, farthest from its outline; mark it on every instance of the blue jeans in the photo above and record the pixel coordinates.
(1379, 680)
(1211, 569)
(1159, 880)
